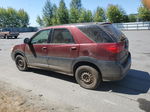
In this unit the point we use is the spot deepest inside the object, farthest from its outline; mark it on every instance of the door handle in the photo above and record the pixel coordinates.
(73, 48)
(44, 48)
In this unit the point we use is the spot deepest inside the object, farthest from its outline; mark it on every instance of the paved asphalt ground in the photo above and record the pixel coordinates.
(132, 94)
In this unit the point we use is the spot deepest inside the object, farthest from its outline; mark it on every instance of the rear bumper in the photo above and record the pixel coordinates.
(112, 70)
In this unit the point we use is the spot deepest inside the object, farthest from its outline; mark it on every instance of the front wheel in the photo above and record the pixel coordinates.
(5, 36)
(88, 77)
(21, 63)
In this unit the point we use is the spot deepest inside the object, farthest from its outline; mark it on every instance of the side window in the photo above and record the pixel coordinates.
(95, 33)
(62, 36)
(41, 37)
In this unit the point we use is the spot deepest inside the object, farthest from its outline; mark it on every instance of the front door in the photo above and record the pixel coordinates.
(37, 50)
(62, 50)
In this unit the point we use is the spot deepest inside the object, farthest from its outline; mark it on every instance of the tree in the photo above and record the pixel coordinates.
(75, 8)
(23, 18)
(11, 15)
(74, 15)
(3, 17)
(82, 17)
(115, 14)
(85, 16)
(132, 18)
(125, 18)
(63, 16)
(99, 16)
(48, 13)
(55, 20)
(89, 16)
(12, 18)
(144, 13)
(39, 21)
(76, 4)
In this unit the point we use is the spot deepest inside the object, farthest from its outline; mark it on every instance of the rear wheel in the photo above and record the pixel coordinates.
(21, 63)
(88, 77)
(16, 37)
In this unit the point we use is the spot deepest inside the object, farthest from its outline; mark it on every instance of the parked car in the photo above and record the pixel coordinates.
(5, 33)
(91, 52)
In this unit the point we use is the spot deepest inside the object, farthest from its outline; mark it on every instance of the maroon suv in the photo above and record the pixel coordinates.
(92, 52)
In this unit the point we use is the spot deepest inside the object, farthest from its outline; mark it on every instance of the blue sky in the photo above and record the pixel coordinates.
(34, 7)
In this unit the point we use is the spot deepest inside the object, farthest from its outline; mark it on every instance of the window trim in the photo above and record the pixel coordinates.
(49, 36)
(52, 36)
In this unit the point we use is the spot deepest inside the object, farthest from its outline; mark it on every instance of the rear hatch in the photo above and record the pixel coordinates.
(112, 44)
(119, 38)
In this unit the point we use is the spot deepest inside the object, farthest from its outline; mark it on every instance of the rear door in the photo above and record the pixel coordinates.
(62, 50)
(37, 51)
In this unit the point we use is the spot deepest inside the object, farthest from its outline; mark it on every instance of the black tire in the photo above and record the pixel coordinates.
(88, 77)
(5, 36)
(16, 37)
(21, 63)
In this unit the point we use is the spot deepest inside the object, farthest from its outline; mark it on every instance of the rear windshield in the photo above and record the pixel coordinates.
(96, 33)
(114, 32)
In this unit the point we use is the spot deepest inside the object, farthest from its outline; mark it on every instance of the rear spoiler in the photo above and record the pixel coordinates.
(103, 23)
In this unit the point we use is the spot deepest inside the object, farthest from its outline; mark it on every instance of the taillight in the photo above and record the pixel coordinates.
(110, 51)
(114, 48)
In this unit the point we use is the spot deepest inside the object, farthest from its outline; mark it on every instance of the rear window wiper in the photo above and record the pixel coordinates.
(122, 39)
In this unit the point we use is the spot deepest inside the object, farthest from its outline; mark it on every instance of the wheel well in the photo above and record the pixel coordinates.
(18, 54)
(85, 63)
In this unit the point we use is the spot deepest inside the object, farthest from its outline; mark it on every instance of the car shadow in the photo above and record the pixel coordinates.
(136, 82)
(53, 74)
(144, 104)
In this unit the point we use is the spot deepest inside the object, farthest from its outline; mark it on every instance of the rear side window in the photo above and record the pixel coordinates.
(62, 36)
(95, 33)
(116, 34)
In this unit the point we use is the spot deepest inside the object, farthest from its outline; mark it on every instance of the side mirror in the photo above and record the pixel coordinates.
(26, 40)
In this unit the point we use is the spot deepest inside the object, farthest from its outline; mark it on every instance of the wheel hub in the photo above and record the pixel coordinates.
(20, 63)
(87, 78)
